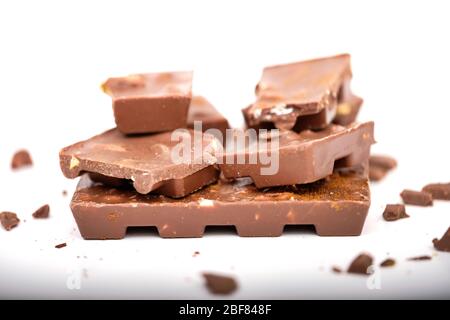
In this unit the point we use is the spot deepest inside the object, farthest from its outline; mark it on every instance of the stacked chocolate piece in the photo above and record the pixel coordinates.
(318, 158)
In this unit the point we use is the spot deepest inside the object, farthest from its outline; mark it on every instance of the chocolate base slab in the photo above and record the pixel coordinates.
(151, 102)
(202, 110)
(336, 206)
(145, 160)
(305, 157)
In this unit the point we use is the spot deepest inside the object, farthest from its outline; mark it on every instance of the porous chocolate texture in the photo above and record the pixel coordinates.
(336, 206)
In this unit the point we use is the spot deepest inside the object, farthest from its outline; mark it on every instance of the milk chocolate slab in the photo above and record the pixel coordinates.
(303, 157)
(202, 110)
(439, 191)
(145, 160)
(336, 206)
(308, 88)
(151, 102)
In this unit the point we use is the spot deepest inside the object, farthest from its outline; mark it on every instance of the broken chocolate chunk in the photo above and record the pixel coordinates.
(387, 263)
(9, 220)
(61, 245)
(439, 191)
(42, 213)
(361, 264)
(21, 159)
(218, 284)
(444, 243)
(417, 198)
(394, 212)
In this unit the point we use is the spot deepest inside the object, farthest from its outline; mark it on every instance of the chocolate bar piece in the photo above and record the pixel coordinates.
(361, 264)
(302, 157)
(9, 220)
(394, 212)
(336, 206)
(145, 160)
(417, 198)
(303, 95)
(202, 110)
(439, 191)
(151, 102)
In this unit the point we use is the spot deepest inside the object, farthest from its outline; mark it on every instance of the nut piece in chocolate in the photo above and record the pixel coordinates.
(417, 198)
(361, 264)
(154, 162)
(219, 284)
(443, 244)
(151, 102)
(298, 158)
(439, 191)
(395, 212)
(303, 95)
(9, 220)
(21, 159)
(42, 213)
(340, 204)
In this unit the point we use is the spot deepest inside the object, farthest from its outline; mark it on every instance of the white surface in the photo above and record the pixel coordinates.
(53, 57)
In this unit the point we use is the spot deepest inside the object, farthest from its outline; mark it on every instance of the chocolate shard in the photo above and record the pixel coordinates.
(336, 206)
(443, 244)
(417, 198)
(61, 245)
(379, 166)
(219, 284)
(42, 213)
(202, 110)
(299, 158)
(439, 191)
(151, 102)
(336, 269)
(9, 220)
(21, 159)
(147, 160)
(361, 264)
(395, 212)
(309, 89)
(387, 263)
(419, 258)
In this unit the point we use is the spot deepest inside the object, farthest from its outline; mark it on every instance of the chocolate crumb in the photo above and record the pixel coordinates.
(361, 264)
(61, 245)
(439, 191)
(9, 220)
(42, 213)
(387, 263)
(217, 284)
(419, 258)
(21, 159)
(444, 243)
(394, 212)
(379, 166)
(196, 253)
(336, 269)
(64, 193)
(417, 198)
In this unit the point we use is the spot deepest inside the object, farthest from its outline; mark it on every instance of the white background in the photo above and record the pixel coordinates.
(55, 54)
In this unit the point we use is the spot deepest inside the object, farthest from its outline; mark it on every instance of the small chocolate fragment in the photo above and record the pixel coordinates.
(42, 213)
(64, 193)
(361, 264)
(146, 160)
(61, 245)
(394, 212)
(21, 159)
(308, 89)
(379, 166)
(9, 220)
(336, 206)
(336, 269)
(152, 102)
(439, 191)
(417, 198)
(444, 243)
(387, 263)
(419, 258)
(196, 253)
(302, 157)
(202, 110)
(218, 284)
